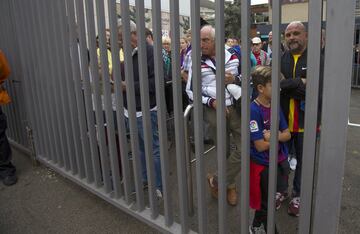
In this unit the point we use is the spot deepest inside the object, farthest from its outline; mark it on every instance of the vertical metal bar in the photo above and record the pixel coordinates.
(220, 114)
(198, 115)
(160, 101)
(41, 125)
(67, 91)
(114, 163)
(44, 98)
(124, 151)
(36, 95)
(275, 109)
(178, 116)
(339, 24)
(188, 156)
(245, 115)
(85, 76)
(76, 77)
(62, 115)
(311, 114)
(76, 158)
(97, 96)
(20, 72)
(144, 88)
(52, 92)
(130, 92)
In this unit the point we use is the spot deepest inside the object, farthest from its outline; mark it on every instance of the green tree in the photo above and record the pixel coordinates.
(232, 19)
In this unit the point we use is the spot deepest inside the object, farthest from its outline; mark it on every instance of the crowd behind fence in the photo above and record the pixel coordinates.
(75, 106)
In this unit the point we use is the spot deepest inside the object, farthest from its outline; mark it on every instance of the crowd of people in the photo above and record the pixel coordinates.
(291, 122)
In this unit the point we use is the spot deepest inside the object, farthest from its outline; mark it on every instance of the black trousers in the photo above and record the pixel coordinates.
(298, 145)
(282, 185)
(6, 167)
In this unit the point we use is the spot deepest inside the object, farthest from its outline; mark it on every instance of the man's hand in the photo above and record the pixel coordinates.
(303, 80)
(123, 86)
(184, 75)
(229, 78)
(226, 108)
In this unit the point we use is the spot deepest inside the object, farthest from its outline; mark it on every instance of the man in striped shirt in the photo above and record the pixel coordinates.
(233, 124)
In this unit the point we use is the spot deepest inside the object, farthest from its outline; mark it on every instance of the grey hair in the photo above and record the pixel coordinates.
(298, 23)
(211, 29)
(132, 25)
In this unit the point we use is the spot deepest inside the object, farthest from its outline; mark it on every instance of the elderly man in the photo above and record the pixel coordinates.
(152, 101)
(293, 87)
(233, 124)
(262, 58)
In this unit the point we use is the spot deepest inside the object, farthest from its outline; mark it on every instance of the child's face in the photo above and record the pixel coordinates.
(265, 91)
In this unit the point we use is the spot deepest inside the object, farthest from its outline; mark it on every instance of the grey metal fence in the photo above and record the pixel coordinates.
(356, 58)
(77, 114)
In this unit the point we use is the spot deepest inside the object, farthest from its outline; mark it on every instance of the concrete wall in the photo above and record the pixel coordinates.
(295, 12)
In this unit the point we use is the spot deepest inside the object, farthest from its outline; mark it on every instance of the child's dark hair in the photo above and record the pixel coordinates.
(261, 76)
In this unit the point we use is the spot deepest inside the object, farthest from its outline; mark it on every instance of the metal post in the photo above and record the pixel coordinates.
(124, 151)
(311, 115)
(161, 104)
(220, 115)
(245, 116)
(130, 92)
(275, 109)
(144, 93)
(76, 77)
(85, 78)
(340, 24)
(190, 191)
(114, 162)
(179, 121)
(198, 116)
(99, 115)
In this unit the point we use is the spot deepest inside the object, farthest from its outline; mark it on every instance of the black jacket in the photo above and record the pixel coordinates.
(151, 78)
(294, 87)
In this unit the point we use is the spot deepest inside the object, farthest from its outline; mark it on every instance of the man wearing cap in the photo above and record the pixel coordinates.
(262, 58)
(232, 91)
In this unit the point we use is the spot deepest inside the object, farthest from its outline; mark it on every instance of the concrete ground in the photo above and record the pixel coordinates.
(44, 202)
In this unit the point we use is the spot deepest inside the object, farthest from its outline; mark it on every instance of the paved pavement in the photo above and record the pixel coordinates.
(44, 202)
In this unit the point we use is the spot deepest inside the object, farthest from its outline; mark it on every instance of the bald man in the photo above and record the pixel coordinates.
(233, 124)
(293, 89)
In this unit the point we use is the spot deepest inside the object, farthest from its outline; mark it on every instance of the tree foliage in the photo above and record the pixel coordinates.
(232, 19)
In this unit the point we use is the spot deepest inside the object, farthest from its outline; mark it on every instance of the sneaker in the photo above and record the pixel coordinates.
(256, 230)
(293, 163)
(294, 207)
(280, 197)
(10, 180)
(213, 185)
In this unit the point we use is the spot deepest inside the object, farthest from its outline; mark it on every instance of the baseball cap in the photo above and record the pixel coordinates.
(256, 40)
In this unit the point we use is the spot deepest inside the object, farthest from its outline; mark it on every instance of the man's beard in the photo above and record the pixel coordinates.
(297, 49)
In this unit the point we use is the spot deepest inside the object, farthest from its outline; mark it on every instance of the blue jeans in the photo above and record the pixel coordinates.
(155, 148)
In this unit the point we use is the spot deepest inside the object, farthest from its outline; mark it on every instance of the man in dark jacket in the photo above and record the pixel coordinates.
(152, 104)
(293, 89)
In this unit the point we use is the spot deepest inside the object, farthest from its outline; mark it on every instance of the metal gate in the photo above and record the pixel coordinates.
(56, 90)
